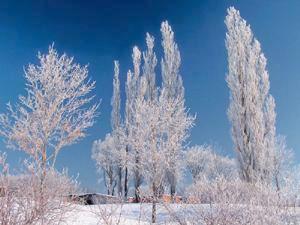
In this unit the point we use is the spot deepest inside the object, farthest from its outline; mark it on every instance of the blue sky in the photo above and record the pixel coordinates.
(97, 32)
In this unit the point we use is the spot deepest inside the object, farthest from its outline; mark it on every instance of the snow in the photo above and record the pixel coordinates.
(138, 214)
(131, 214)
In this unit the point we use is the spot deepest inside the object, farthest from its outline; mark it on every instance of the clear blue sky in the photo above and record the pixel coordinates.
(97, 32)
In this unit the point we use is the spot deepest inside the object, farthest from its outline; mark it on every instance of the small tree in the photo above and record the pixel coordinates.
(150, 133)
(54, 113)
(283, 164)
(201, 162)
(106, 156)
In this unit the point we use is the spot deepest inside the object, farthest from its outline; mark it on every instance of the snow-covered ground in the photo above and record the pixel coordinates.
(128, 214)
(134, 214)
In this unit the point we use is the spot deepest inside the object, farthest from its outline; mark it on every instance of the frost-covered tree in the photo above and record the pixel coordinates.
(160, 122)
(129, 112)
(201, 161)
(132, 92)
(283, 163)
(55, 112)
(150, 137)
(117, 129)
(106, 157)
(150, 62)
(109, 154)
(272, 152)
(116, 100)
(173, 91)
(171, 78)
(157, 122)
(136, 57)
(252, 109)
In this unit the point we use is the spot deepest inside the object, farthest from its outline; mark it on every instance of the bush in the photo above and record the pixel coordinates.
(24, 201)
(234, 202)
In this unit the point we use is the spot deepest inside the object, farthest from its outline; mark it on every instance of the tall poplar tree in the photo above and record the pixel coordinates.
(252, 109)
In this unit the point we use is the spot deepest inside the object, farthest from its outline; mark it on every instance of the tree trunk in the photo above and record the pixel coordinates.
(120, 187)
(154, 211)
(277, 183)
(126, 178)
(137, 190)
(154, 200)
(172, 183)
(173, 191)
(110, 185)
(138, 179)
(42, 181)
(44, 164)
(126, 183)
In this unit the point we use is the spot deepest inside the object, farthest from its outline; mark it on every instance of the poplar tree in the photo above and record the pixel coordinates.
(252, 109)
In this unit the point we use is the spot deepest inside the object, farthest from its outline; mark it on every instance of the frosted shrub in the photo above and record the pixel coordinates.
(109, 213)
(235, 202)
(24, 201)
